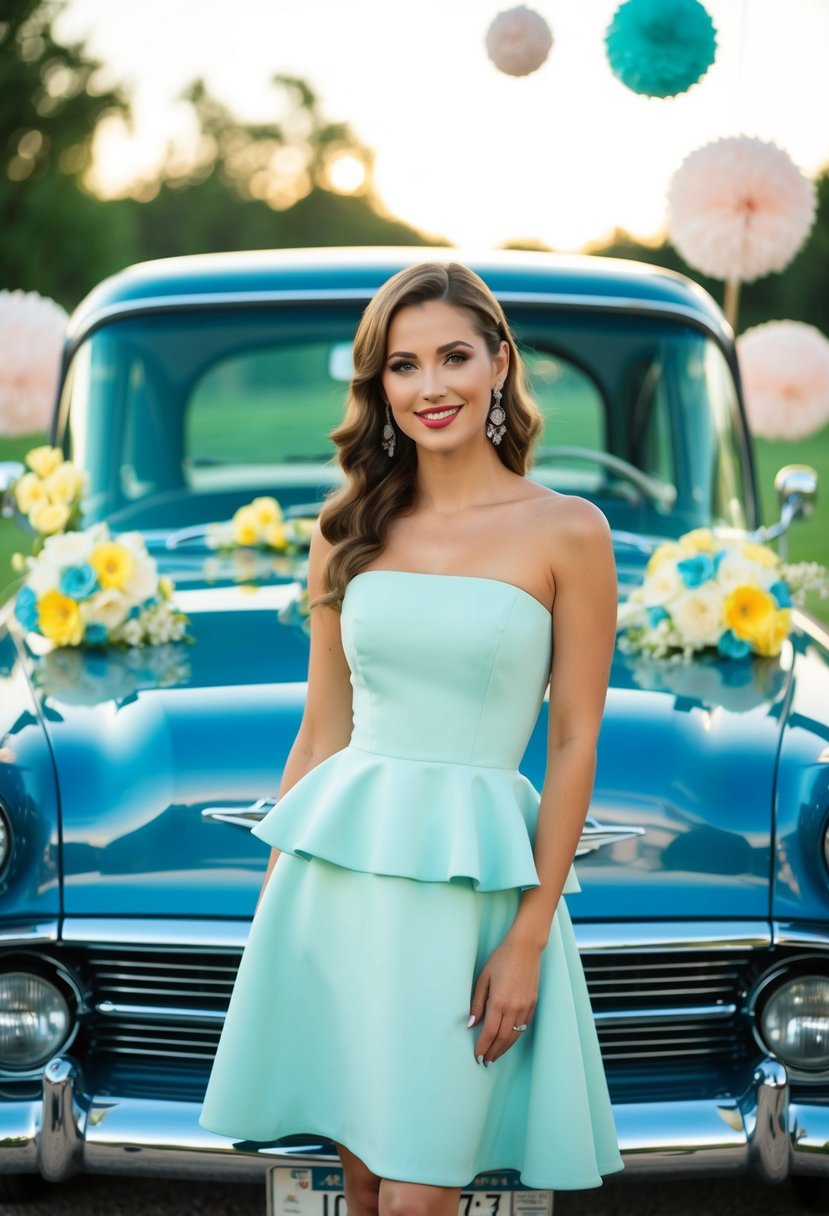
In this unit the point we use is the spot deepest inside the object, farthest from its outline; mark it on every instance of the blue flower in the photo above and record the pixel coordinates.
(718, 556)
(150, 601)
(732, 646)
(133, 612)
(656, 614)
(781, 593)
(697, 569)
(78, 581)
(25, 609)
(95, 633)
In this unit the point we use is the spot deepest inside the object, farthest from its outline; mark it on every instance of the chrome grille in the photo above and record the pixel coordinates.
(648, 1005)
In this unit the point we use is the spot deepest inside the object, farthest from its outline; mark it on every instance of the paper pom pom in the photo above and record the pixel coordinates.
(784, 366)
(739, 208)
(518, 41)
(31, 337)
(660, 47)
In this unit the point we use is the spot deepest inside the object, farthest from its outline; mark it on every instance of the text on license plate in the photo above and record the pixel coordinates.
(317, 1190)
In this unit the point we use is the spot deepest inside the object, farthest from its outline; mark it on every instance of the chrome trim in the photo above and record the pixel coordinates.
(757, 1129)
(596, 836)
(722, 334)
(152, 1013)
(152, 932)
(44, 931)
(227, 934)
(60, 1147)
(815, 936)
(764, 1106)
(243, 817)
(686, 1013)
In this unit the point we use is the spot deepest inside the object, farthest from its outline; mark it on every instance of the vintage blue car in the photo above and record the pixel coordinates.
(129, 779)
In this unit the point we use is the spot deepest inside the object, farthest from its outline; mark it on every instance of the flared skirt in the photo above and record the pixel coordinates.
(348, 1020)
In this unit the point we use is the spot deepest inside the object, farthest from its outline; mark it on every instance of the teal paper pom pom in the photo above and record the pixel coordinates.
(660, 47)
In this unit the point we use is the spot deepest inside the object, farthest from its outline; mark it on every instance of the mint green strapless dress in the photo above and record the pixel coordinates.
(404, 856)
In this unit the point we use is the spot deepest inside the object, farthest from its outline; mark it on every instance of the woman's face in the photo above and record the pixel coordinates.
(436, 361)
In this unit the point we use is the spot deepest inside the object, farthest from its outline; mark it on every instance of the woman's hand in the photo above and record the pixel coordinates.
(505, 995)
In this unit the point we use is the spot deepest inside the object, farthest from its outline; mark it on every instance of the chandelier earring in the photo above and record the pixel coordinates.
(388, 433)
(496, 429)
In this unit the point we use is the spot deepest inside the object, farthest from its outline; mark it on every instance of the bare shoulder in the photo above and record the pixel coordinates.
(564, 531)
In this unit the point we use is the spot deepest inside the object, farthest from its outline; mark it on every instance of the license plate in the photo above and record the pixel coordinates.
(317, 1190)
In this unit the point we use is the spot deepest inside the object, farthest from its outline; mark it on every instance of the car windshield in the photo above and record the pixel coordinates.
(182, 415)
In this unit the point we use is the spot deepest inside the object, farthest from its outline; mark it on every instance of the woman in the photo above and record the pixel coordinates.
(411, 986)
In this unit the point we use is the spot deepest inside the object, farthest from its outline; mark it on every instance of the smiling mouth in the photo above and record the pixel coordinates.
(442, 413)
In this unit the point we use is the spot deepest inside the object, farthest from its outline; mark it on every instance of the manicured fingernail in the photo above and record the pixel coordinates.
(480, 1059)
(471, 1021)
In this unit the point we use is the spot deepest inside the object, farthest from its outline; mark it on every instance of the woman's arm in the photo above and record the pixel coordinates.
(584, 625)
(327, 719)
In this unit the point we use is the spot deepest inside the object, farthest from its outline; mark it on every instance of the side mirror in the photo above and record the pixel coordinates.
(796, 486)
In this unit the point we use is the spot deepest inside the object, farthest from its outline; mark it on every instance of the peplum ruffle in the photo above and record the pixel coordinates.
(435, 821)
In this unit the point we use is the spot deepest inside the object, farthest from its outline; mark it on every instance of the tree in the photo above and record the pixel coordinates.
(53, 233)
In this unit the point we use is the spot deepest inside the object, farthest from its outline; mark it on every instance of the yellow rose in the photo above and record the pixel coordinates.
(113, 564)
(748, 612)
(661, 553)
(770, 640)
(246, 526)
(65, 483)
(267, 511)
(759, 553)
(48, 517)
(59, 619)
(44, 460)
(29, 492)
(275, 535)
(698, 540)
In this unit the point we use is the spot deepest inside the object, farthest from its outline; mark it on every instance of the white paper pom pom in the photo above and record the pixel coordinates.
(518, 41)
(739, 208)
(784, 367)
(31, 338)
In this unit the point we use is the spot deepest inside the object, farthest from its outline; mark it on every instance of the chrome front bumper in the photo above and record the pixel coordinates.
(68, 1131)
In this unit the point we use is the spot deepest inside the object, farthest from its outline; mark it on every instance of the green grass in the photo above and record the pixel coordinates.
(808, 540)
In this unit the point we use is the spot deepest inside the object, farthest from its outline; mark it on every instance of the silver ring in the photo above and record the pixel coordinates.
(523, 1026)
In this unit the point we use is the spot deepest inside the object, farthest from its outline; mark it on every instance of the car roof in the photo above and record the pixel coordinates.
(356, 272)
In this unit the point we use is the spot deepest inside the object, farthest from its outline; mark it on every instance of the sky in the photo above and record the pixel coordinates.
(463, 151)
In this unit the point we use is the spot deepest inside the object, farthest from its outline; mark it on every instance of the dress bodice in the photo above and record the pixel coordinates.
(451, 670)
(448, 674)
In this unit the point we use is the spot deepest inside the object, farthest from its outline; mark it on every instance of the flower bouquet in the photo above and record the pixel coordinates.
(702, 593)
(50, 493)
(260, 524)
(83, 588)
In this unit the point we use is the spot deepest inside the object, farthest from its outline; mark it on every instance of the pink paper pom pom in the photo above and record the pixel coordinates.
(739, 208)
(518, 41)
(784, 366)
(31, 338)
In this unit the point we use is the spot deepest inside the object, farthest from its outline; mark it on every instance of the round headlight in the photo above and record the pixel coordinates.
(795, 1022)
(34, 1020)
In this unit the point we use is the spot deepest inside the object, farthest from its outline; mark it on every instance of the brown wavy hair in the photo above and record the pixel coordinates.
(356, 516)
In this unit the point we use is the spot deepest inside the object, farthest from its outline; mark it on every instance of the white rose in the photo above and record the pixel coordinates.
(108, 608)
(43, 576)
(143, 582)
(662, 584)
(68, 548)
(735, 570)
(698, 614)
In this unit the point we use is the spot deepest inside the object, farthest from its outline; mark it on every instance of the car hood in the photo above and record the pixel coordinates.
(147, 743)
